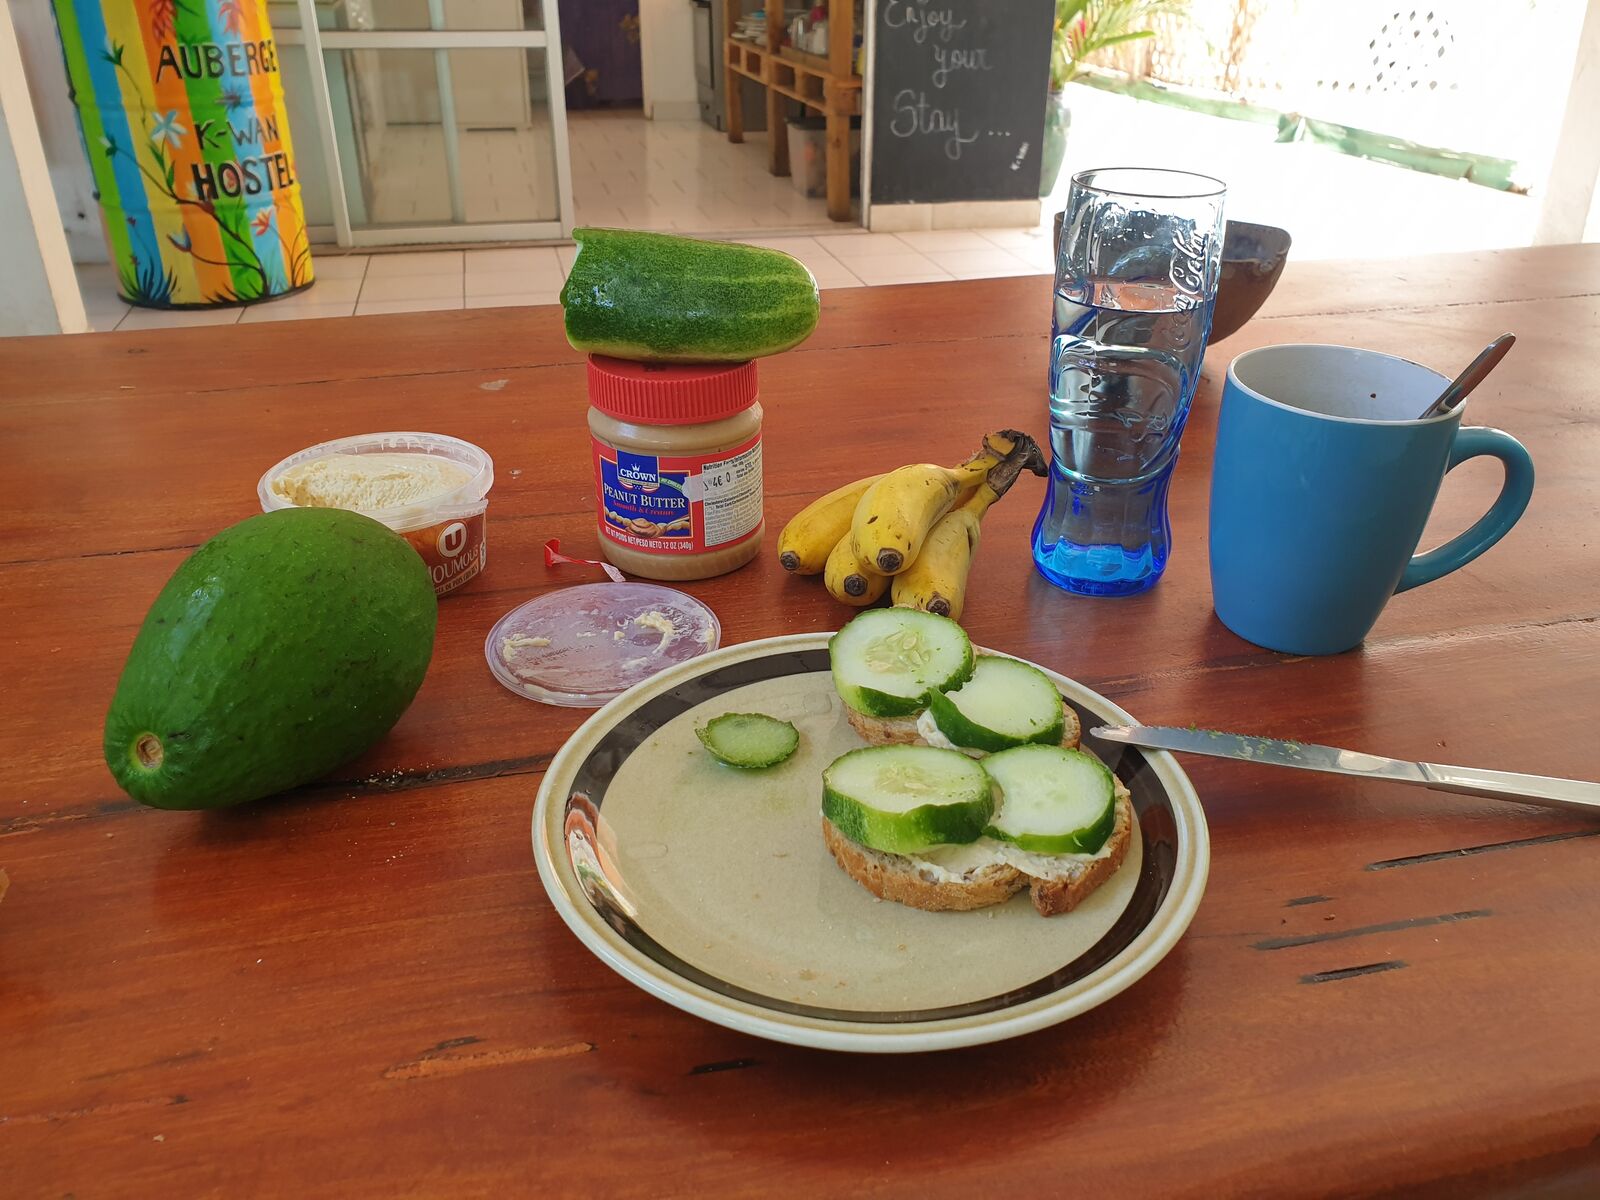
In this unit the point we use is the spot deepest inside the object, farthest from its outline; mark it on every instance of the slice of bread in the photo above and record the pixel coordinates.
(906, 881)
(902, 731)
(883, 731)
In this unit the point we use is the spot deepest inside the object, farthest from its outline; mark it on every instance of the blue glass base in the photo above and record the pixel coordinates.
(1098, 570)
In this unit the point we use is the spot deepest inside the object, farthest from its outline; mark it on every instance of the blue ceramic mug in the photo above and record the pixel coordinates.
(1323, 481)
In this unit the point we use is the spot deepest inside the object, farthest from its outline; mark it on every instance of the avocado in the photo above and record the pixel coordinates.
(283, 647)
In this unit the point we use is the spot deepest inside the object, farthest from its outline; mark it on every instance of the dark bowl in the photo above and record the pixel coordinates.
(1252, 259)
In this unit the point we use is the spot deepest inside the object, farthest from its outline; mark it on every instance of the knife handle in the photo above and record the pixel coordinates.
(1509, 785)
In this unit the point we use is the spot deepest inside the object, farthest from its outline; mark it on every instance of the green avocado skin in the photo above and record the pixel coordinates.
(283, 647)
(654, 297)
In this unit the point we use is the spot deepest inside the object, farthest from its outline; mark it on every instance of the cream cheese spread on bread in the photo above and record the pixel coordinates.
(928, 730)
(948, 863)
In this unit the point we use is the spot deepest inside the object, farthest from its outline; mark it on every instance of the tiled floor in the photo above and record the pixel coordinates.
(359, 284)
(680, 177)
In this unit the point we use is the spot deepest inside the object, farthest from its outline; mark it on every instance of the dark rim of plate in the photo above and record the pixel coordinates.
(1157, 827)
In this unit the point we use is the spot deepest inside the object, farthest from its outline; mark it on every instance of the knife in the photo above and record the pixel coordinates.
(1307, 756)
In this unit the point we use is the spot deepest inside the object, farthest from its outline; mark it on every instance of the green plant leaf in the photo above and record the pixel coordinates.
(1124, 37)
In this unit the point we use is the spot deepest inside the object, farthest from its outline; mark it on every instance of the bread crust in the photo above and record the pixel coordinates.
(902, 731)
(883, 731)
(896, 877)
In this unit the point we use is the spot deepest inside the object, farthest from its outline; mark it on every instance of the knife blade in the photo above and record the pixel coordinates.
(1308, 756)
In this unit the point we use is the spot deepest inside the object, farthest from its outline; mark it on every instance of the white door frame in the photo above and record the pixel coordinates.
(315, 41)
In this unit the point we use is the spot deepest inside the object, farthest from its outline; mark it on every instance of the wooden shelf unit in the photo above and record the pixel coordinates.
(827, 85)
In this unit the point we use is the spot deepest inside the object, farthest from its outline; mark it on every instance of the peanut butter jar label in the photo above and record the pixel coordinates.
(454, 551)
(678, 504)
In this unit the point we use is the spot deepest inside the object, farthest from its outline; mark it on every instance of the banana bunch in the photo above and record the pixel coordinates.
(911, 532)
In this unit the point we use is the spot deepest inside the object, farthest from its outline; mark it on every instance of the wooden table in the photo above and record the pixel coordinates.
(361, 989)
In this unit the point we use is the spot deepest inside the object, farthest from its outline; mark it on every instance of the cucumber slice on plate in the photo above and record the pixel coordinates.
(1052, 800)
(902, 799)
(887, 660)
(749, 740)
(1006, 703)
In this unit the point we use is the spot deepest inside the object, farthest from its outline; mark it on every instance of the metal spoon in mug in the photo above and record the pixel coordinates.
(1475, 373)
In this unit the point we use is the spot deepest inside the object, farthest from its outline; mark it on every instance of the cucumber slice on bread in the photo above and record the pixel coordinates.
(902, 799)
(752, 741)
(1006, 703)
(887, 661)
(1052, 800)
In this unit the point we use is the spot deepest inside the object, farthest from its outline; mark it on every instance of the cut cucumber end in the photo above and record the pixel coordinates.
(1052, 800)
(1005, 704)
(887, 661)
(904, 799)
(750, 741)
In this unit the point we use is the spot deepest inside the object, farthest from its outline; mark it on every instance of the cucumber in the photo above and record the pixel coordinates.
(748, 740)
(658, 298)
(902, 799)
(1006, 703)
(887, 660)
(1052, 800)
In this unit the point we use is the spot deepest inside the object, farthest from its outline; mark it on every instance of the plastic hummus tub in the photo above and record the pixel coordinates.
(431, 489)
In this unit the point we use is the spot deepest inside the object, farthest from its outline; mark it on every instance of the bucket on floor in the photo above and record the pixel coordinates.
(181, 109)
(808, 148)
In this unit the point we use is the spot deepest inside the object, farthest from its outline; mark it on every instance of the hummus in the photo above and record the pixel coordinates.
(365, 482)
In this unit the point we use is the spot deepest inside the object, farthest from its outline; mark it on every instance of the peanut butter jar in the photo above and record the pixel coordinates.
(677, 466)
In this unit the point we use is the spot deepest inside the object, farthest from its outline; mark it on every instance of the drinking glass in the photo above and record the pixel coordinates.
(1136, 276)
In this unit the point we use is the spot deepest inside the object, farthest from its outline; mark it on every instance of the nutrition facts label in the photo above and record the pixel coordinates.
(730, 489)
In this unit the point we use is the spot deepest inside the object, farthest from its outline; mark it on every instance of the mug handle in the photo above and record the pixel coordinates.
(1494, 524)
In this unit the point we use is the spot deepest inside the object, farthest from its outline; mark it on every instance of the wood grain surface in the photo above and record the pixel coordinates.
(361, 989)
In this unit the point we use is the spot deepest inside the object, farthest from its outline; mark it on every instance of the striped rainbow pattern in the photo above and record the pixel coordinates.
(180, 103)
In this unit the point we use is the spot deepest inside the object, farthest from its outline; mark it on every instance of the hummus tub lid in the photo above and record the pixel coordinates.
(670, 393)
(579, 647)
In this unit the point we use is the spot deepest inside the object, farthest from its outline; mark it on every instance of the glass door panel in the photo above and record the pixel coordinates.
(440, 120)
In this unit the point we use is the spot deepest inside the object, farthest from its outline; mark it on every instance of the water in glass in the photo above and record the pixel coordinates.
(1132, 309)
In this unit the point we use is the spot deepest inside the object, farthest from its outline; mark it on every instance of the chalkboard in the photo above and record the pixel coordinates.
(958, 99)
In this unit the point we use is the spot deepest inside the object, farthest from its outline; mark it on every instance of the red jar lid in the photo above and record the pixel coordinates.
(670, 393)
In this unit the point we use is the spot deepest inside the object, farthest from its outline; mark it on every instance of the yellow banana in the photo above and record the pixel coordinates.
(937, 580)
(810, 535)
(896, 513)
(849, 580)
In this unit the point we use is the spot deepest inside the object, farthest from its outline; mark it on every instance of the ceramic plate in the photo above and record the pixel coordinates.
(711, 888)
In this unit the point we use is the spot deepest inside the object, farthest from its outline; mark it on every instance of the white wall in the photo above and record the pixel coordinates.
(1571, 208)
(58, 128)
(666, 49)
(39, 292)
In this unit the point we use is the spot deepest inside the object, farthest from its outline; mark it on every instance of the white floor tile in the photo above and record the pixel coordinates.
(880, 269)
(108, 317)
(982, 264)
(261, 313)
(1034, 247)
(514, 300)
(533, 261)
(154, 318)
(417, 262)
(511, 283)
(330, 264)
(412, 287)
(847, 247)
(929, 240)
(842, 281)
(565, 255)
(834, 275)
(335, 290)
(367, 308)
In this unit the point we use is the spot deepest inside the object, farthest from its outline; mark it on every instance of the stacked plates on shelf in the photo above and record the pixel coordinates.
(751, 28)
